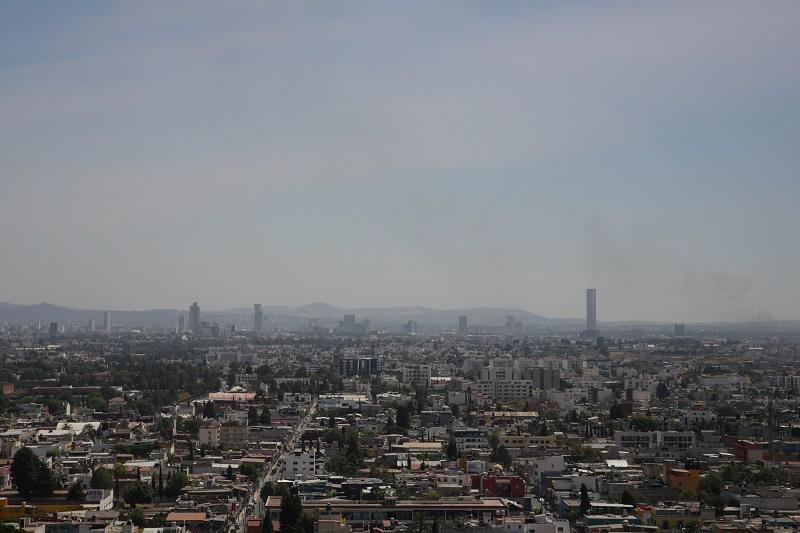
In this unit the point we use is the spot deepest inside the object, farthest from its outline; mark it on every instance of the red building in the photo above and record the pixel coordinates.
(502, 486)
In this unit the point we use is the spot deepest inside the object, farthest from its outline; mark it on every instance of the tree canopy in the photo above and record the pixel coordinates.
(31, 475)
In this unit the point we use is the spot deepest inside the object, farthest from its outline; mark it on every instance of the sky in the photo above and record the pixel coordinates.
(445, 154)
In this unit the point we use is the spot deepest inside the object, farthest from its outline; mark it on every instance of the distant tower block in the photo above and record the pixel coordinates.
(107, 320)
(591, 330)
(194, 319)
(462, 325)
(258, 317)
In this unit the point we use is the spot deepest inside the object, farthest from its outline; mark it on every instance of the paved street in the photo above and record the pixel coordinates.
(252, 507)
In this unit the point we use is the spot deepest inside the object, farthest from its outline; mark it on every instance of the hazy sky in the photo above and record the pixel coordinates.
(445, 154)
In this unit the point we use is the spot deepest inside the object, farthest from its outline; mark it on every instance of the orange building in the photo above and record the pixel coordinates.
(682, 479)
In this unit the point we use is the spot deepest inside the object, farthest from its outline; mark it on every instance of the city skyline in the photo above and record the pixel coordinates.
(408, 267)
(256, 317)
(506, 156)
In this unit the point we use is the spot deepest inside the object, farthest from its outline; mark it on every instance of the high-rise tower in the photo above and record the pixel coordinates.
(258, 319)
(194, 319)
(591, 330)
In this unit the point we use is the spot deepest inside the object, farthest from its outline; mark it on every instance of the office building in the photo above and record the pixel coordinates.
(348, 367)
(258, 320)
(680, 330)
(107, 320)
(194, 319)
(591, 330)
(53, 330)
(349, 324)
(181, 323)
(358, 366)
(411, 327)
(510, 321)
(92, 326)
(462, 325)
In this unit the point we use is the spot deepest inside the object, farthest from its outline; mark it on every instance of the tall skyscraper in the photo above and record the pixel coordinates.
(92, 326)
(53, 330)
(680, 330)
(462, 325)
(194, 319)
(107, 320)
(349, 324)
(181, 323)
(258, 320)
(591, 313)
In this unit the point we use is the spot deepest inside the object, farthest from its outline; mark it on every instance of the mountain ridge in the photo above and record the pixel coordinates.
(47, 311)
(326, 313)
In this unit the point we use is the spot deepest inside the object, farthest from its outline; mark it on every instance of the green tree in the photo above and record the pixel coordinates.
(494, 440)
(267, 490)
(452, 450)
(175, 483)
(627, 498)
(252, 416)
(192, 426)
(305, 524)
(353, 450)
(96, 402)
(76, 492)
(709, 489)
(662, 391)
(266, 524)
(248, 470)
(23, 472)
(138, 492)
(503, 456)
(137, 517)
(403, 418)
(291, 509)
(31, 475)
(644, 423)
(265, 418)
(616, 411)
(586, 503)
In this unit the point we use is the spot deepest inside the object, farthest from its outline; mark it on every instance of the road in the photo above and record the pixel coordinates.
(253, 506)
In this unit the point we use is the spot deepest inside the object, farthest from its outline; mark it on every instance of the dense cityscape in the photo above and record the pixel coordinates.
(216, 427)
(418, 266)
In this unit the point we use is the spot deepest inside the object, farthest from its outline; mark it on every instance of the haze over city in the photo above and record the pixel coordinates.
(446, 154)
(399, 267)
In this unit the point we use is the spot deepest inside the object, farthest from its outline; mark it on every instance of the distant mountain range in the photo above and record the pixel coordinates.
(329, 315)
(485, 316)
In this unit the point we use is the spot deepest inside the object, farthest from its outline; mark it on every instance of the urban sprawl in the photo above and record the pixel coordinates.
(208, 427)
